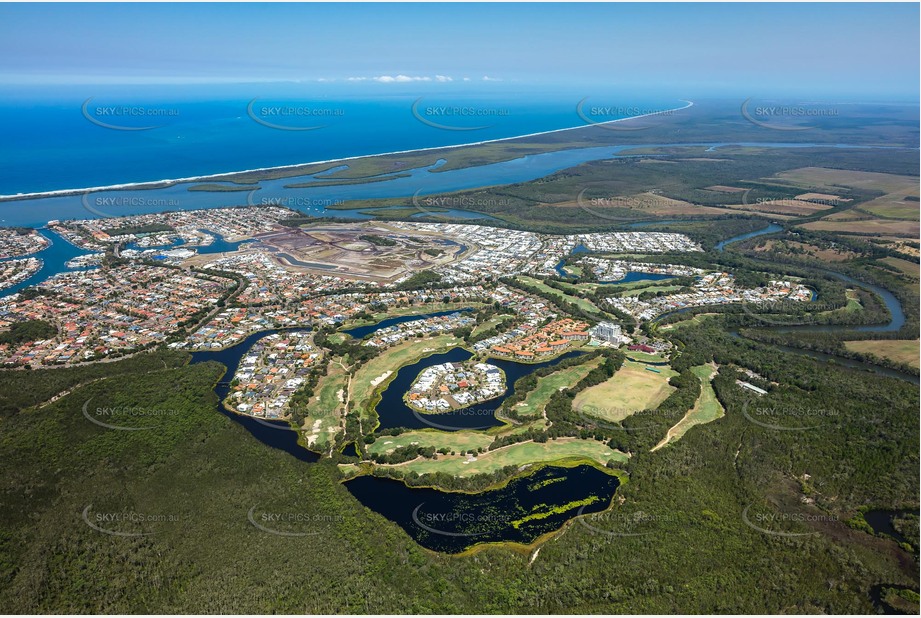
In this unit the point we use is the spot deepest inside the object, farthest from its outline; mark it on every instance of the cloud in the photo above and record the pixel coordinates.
(403, 79)
(388, 79)
(487, 78)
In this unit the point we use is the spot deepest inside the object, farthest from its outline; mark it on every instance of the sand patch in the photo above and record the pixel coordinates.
(380, 378)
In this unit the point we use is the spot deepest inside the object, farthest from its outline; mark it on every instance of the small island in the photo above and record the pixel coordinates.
(451, 386)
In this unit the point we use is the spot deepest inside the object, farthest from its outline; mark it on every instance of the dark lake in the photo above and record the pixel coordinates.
(453, 522)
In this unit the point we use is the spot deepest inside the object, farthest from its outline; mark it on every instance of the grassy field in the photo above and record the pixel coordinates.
(490, 323)
(576, 288)
(631, 389)
(835, 178)
(892, 207)
(873, 227)
(510, 430)
(574, 270)
(535, 401)
(901, 350)
(519, 454)
(638, 356)
(706, 409)
(390, 361)
(642, 204)
(897, 216)
(853, 301)
(909, 268)
(580, 302)
(697, 319)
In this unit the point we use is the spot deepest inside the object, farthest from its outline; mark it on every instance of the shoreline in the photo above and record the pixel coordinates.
(169, 182)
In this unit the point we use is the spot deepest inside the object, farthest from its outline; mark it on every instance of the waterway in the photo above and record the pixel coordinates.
(881, 522)
(54, 261)
(274, 433)
(633, 276)
(393, 411)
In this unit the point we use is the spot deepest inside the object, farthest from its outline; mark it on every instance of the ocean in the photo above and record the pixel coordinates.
(67, 137)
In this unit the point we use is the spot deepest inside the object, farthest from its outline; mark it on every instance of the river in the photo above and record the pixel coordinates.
(896, 320)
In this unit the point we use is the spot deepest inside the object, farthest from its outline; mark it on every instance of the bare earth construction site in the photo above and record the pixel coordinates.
(367, 252)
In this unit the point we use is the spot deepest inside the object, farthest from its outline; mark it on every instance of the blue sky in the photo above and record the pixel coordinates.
(859, 50)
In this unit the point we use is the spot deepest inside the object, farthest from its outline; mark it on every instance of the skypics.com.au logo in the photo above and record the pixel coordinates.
(127, 117)
(783, 117)
(291, 523)
(456, 117)
(291, 117)
(615, 117)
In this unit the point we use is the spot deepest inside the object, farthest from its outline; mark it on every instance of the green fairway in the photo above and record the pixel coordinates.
(491, 323)
(458, 441)
(518, 454)
(380, 369)
(641, 357)
(579, 302)
(535, 401)
(706, 409)
(324, 412)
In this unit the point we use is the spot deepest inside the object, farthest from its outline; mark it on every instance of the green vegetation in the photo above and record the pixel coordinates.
(216, 188)
(900, 351)
(30, 330)
(343, 181)
(420, 279)
(515, 455)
